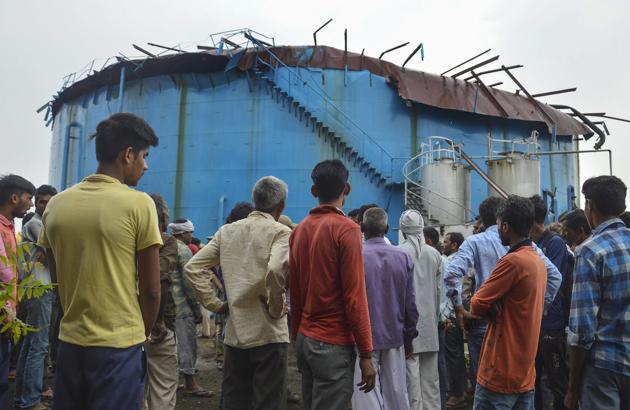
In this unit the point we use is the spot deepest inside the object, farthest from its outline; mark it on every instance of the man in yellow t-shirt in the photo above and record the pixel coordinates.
(102, 239)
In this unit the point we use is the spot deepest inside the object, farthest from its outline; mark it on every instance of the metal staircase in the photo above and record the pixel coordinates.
(351, 143)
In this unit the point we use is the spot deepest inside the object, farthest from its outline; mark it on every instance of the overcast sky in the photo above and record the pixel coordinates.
(562, 44)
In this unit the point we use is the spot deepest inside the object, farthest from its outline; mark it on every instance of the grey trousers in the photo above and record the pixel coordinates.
(160, 389)
(186, 333)
(327, 374)
(603, 389)
(423, 381)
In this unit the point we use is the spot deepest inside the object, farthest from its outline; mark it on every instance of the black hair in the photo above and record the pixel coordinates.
(456, 237)
(518, 212)
(330, 178)
(14, 184)
(354, 212)
(432, 234)
(625, 217)
(195, 241)
(577, 221)
(46, 190)
(119, 132)
(180, 221)
(607, 193)
(363, 209)
(488, 210)
(240, 211)
(540, 209)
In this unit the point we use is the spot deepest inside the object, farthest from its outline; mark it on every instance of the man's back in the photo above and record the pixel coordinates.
(509, 349)
(390, 291)
(328, 300)
(95, 229)
(427, 280)
(601, 297)
(249, 249)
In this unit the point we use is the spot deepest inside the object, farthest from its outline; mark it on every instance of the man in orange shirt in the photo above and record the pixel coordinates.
(512, 299)
(329, 311)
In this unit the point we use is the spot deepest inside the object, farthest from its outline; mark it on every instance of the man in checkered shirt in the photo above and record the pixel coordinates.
(599, 326)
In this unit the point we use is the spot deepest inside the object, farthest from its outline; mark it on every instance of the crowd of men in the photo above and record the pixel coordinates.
(543, 309)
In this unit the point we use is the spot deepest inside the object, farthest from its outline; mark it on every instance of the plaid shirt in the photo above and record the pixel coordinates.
(600, 307)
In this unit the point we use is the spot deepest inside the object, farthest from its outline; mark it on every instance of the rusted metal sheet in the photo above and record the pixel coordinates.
(430, 89)
(418, 86)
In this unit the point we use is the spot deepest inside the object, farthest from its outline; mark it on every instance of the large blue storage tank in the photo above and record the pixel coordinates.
(223, 124)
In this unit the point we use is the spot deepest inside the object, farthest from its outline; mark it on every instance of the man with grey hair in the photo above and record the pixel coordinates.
(422, 365)
(393, 315)
(254, 258)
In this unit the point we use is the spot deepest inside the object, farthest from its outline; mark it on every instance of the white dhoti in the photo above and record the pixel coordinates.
(423, 381)
(390, 390)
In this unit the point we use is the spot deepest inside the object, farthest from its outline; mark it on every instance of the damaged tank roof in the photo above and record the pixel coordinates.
(417, 86)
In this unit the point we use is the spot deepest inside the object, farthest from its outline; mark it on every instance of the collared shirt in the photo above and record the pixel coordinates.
(95, 230)
(8, 255)
(427, 272)
(37, 255)
(390, 293)
(183, 293)
(600, 308)
(508, 353)
(447, 310)
(328, 297)
(254, 258)
(482, 252)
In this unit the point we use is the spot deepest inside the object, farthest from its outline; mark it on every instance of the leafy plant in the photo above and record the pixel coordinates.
(15, 291)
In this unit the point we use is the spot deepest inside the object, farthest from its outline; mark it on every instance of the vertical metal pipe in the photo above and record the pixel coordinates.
(121, 89)
(221, 211)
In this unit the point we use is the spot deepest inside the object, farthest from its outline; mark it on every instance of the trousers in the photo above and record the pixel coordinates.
(255, 378)
(423, 381)
(99, 378)
(160, 390)
(186, 333)
(327, 374)
(390, 391)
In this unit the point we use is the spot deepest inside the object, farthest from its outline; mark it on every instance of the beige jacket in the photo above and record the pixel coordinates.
(254, 257)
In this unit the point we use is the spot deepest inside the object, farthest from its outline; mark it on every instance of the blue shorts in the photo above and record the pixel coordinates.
(99, 378)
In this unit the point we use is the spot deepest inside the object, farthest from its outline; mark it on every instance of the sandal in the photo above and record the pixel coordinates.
(199, 393)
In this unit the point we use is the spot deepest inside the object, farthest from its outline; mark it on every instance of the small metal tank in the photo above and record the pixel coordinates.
(445, 189)
(515, 172)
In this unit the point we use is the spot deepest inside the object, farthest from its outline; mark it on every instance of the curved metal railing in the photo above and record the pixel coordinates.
(429, 153)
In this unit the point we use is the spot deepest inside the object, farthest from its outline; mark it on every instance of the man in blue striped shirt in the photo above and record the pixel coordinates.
(599, 325)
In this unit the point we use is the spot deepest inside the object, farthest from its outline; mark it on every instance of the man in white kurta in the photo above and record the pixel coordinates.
(423, 386)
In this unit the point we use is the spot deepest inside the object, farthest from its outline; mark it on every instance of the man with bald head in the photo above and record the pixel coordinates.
(393, 315)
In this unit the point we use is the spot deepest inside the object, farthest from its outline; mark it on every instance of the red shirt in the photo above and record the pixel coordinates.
(193, 248)
(506, 362)
(8, 251)
(328, 297)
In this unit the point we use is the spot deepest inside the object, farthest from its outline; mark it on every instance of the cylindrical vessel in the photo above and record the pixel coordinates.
(516, 173)
(446, 191)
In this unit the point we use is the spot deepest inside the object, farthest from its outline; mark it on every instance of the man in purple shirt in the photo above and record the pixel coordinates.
(393, 315)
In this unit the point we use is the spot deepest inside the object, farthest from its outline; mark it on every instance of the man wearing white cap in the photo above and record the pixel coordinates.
(423, 386)
(188, 310)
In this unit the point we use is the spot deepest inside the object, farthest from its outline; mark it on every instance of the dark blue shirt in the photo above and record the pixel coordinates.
(556, 251)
